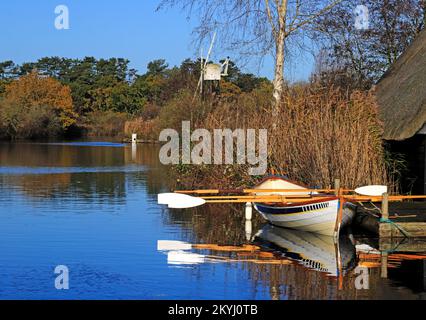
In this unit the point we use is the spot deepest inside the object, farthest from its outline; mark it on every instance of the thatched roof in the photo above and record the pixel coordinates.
(401, 93)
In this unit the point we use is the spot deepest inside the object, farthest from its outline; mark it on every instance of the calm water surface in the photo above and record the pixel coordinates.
(92, 207)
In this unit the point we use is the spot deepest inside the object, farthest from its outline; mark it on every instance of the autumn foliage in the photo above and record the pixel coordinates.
(36, 106)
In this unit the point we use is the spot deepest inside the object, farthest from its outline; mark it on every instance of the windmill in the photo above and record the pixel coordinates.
(210, 73)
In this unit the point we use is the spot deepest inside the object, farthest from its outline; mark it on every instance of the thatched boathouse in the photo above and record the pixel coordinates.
(401, 95)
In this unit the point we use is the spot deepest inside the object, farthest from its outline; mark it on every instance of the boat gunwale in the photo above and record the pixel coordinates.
(298, 204)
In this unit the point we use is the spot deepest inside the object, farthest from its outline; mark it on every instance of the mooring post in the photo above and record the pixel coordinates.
(249, 211)
(384, 265)
(248, 230)
(385, 230)
(248, 224)
(134, 137)
(385, 206)
(336, 186)
(337, 192)
(134, 146)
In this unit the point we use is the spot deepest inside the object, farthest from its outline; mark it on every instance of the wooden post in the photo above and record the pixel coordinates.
(384, 265)
(336, 186)
(385, 229)
(338, 223)
(385, 206)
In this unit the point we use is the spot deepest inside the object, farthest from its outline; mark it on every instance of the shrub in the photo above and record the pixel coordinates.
(145, 129)
(105, 123)
(183, 107)
(37, 122)
(35, 107)
(32, 91)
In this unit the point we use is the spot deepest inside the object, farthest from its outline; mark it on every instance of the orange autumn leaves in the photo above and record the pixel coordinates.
(33, 91)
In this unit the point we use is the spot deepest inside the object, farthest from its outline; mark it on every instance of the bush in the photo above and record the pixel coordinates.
(145, 129)
(105, 123)
(183, 107)
(34, 91)
(35, 107)
(37, 122)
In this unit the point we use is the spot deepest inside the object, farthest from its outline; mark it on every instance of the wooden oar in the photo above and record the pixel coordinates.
(180, 200)
(243, 191)
(171, 245)
(379, 198)
(184, 257)
(262, 196)
(371, 190)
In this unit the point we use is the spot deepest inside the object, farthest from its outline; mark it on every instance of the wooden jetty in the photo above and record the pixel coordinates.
(393, 219)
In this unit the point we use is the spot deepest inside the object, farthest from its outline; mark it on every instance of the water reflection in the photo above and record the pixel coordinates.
(78, 170)
(313, 251)
(93, 208)
(272, 245)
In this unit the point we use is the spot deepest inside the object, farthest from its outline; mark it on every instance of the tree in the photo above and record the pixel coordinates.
(157, 67)
(256, 27)
(245, 81)
(119, 97)
(363, 55)
(33, 91)
(8, 70)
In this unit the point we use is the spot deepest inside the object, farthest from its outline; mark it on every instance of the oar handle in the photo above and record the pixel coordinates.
(380, 198)
(216, 191)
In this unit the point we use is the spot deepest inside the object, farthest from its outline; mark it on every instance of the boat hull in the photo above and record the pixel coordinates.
(318, 217)
(319, 214)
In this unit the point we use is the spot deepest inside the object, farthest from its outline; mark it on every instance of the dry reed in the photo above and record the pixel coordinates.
(319, 135)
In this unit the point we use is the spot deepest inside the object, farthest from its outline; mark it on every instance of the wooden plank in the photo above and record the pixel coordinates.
(385, 230)
(417, 245)
(414, 229)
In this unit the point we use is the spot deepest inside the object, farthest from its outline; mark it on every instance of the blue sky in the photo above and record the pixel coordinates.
(131, 29)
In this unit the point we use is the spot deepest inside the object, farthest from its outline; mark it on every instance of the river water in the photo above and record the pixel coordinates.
(92, 208)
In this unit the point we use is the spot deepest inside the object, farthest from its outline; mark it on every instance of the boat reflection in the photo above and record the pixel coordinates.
(314, 251)
(272, 245)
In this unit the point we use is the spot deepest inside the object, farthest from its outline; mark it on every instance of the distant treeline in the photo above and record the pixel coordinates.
(111, 85)
(104, 93)
(318, 125)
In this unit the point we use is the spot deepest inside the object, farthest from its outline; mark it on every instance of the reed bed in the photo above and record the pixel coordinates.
(324, 135)
(317, 136)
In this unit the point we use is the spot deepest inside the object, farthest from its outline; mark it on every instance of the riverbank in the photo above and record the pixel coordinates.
(316, 134)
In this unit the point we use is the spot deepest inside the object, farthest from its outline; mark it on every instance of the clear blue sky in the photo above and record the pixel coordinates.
(129, 29)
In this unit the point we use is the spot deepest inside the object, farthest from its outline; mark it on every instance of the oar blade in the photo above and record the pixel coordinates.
(184, 257)
(179, 201)
(170, 245)
(373, 190)
(164, 198)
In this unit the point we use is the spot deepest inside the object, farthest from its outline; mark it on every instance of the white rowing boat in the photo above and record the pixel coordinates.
(318, 213)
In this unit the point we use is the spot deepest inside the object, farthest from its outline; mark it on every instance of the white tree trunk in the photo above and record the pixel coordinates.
(279, 71)
(280, 37)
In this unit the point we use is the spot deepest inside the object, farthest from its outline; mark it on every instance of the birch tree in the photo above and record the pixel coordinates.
(255, 28)
(362, 55)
